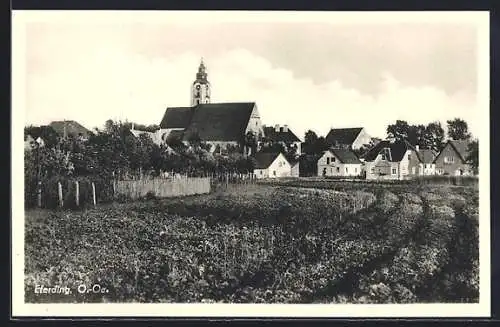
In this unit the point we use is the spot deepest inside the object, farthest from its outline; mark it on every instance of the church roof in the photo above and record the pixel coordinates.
(220, 121)
(176, 117)
(280, 136)
(342, 136)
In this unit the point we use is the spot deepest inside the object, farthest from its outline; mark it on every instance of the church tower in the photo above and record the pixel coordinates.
(200, 92)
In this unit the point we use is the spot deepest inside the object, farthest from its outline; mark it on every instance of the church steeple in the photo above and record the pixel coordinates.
(200, 92)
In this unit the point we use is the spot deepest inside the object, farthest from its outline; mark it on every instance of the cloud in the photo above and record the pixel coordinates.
(112, 82)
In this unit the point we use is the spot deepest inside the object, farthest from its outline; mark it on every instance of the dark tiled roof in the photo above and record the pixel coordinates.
(220, 121)
(397, 150)
(281, 136)
(345, 136)
(178, 117)
(346, 156)
(264, 159)
(72, 128)
(427, 155)
(460, 146)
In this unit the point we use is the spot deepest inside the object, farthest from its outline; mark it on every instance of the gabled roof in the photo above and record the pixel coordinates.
(69, 127)
(345, 136)
(397, 150)
(281, 136)
(176, 117)
(220, 121)
(427, 155)
(460, 147)
(345, 156)
(265, 159)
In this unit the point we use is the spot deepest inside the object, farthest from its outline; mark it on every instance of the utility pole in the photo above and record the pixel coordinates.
(39, 179)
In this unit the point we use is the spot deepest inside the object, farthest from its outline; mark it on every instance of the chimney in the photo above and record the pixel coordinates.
(285, 128)
(276, 128)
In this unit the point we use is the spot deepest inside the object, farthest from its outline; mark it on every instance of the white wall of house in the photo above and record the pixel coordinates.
(393, 171)
(362, 139)
(295, 170)
(330, 165)
(428, 169)
(280, 167)
(255, 123)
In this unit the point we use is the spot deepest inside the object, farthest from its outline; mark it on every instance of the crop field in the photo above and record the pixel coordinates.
(263, 244)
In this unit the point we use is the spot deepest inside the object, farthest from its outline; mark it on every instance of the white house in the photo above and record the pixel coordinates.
(428, 167)
(271, 165)
(339, 162)
(393, 160)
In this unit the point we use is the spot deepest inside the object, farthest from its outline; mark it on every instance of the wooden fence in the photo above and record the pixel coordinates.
(163, 187)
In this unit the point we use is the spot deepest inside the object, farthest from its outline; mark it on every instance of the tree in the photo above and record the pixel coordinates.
(458, 129)
(310, 137)
(399, 130)
(250, 142)
(416, 135)
(434, 136)
(47, 133)
(194, 139)
(473, 155)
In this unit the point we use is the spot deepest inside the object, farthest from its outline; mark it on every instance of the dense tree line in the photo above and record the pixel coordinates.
(115, 152)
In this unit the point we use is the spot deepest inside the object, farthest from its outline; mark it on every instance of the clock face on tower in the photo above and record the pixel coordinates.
(198, 87)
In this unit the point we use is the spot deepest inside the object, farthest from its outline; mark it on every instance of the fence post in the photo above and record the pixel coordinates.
(59, 192)
(39, 194)
(77, 194)
(93, 194)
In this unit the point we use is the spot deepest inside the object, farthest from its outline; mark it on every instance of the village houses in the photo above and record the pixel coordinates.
(394, 160)
(339, 162)
(271, 165)
(452, 160)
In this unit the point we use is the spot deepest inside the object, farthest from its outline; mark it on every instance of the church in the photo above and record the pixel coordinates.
(217, 124)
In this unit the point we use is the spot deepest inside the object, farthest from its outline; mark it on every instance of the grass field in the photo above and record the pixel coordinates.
(263, 244)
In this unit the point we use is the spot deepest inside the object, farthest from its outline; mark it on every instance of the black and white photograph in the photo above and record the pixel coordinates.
(250, 163)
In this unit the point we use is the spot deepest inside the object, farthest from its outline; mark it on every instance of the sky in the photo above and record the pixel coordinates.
(306, 74)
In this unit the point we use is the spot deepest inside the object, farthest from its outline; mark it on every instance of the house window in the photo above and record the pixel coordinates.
(425, 165)
(260, 172)
(355, 170)
(383, 156)
(372, 170)
(449, 160)
(327, 161)
(333, 159)
(274, 172)
(346, 169)
(394, 171)
(331, 170)
(409, 157)
(338, 170)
